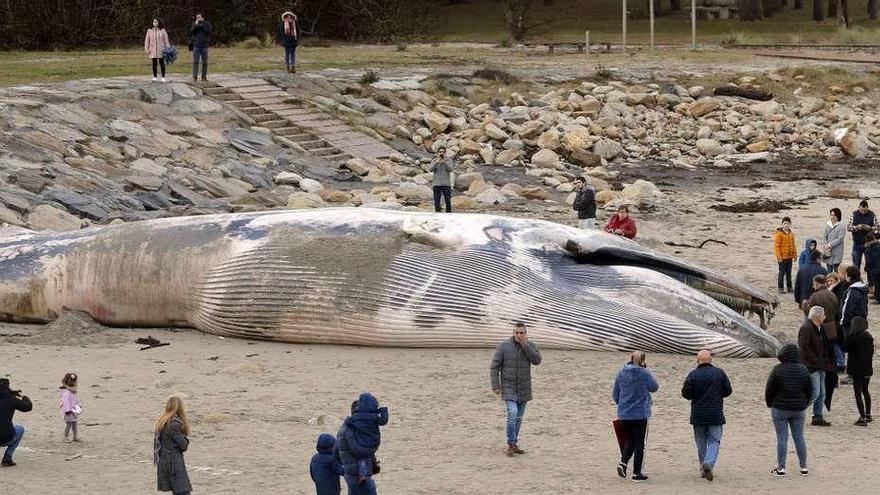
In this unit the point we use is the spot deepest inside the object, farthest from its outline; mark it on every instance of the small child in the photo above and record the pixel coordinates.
(70, 408)
(325, 468)
(364, 424)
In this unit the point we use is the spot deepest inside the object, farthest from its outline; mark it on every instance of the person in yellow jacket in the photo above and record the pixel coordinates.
(786, 252)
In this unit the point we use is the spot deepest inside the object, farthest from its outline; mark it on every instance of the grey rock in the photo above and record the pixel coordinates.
(77, 204)
(45, 217)
(145, 182)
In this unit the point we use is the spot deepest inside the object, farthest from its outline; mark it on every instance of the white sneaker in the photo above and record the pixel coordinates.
(154, 79)
(163, 79)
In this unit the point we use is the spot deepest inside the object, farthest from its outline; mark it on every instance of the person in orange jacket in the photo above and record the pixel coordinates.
(786, 252)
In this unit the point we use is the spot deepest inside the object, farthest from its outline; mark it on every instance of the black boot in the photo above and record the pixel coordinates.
(7, 461)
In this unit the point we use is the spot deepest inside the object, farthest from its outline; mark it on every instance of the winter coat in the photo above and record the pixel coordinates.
(200, 34)
(169, 446)
(789, 386)
(288, 39)
(860, 347)
(872, 260)
(783, 245)
(839, 291)
(325, 468)
(825, 298)
(442, 169)
(628, 226)
(363, 426)
(855, 303)
(348, 450)
(632, 392)
(804, 258)
(8, 405)
(70, 407)
(813, 346)
(868, 218)
(155, 41)
(511, 369)
(803, 281)
(834, 236)
(585, 203)
(706, 387)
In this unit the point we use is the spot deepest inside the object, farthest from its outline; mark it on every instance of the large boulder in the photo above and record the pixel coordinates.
(703, 107)
(507, 156)
(766, 108)
(491, 196)
(464, 181)
(304, 200)
(45, 217)
(549, 139)
(414, 193)
(495, 132)
(310, 185)
(640, 190)
(534, 192)
(437, 122)
(545, 159)
(607, 148)
(709, 147)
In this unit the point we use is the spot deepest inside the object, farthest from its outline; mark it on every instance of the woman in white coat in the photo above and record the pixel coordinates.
(832, 240)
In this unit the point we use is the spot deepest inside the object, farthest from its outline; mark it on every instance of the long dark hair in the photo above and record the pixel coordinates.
(161, 24)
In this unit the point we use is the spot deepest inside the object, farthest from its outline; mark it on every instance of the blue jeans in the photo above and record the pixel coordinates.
(200, 53)
(290, 55)
(782, 421)
(818, 398)
(839, 357)
(708, 439)
(368, 488)
(12, 445)
(515, 412)
(857, 253)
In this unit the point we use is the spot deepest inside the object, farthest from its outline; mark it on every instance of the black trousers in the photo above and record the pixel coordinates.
(446, 192)
(863, 397)
(784, 274)
(161, 63)
(831, 383)
(636, 430)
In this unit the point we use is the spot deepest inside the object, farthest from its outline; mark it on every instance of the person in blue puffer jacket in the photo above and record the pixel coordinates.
(325, 469)
(632, 394)
(358, 440)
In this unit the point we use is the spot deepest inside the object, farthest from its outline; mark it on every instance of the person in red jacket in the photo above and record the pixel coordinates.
(621, 223)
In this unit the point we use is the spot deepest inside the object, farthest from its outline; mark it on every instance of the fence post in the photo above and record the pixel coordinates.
(693, 24)
(624, 26)
(587, 42)
(651, 15)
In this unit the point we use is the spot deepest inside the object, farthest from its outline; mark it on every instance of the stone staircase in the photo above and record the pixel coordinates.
(293, 122)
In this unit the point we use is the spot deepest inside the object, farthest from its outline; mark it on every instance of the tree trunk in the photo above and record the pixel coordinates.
(832, 9)
(798, 4)
(844, 11)
(658, 8)
(515, 16)
(770, 7)
(675, 5)
(750, 10)
(818, 11)
(873, 9)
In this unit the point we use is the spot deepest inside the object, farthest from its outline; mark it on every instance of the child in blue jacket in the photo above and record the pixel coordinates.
(324, 468)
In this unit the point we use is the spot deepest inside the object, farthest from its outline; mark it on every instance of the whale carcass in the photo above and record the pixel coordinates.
(382, 278)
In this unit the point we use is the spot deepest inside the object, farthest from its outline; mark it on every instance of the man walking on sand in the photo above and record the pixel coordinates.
(706, 387)
(585, 204)
(511, 377)
(813, 346)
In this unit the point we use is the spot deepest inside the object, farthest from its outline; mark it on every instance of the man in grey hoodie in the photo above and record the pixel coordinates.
(442, 167)
(511, 377)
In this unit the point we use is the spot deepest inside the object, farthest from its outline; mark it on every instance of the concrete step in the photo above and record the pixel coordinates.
(260, 115)
(272, 124)
(317, 144)
(217, 90)
(242, 104)
(328, 151)
(339, 157)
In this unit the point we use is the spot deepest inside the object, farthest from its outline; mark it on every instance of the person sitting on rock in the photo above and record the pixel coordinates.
(621, 223)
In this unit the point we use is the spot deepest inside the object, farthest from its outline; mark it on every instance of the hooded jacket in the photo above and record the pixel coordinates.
(789, 386)
(511, 369)
(585, 203)
(783, 245)
(828, 301)
(834, 236)
(706, 387)
(872, 259)
(8, 405)
(363, 426)
(804, 258)
(813, 345)
(861, 349)
(288, 39)
(803, 281)
(325, 468)
(855, 303)
(632, 392)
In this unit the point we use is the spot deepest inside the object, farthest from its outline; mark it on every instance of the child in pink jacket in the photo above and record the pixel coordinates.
(70, 408)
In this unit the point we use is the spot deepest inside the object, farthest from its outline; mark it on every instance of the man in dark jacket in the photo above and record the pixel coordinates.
(813, 346)
(706, 387)
(803, 282)
(825, 298)
(10, 434)
(585, 204)
(511, 377)
(787, 394)
(861, 222)
(200, 37)
(855, 303)
(325, 469)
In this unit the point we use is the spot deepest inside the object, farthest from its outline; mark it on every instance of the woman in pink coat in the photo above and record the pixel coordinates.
(155, 41)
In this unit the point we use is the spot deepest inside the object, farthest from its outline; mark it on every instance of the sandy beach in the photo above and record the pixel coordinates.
(258, 407)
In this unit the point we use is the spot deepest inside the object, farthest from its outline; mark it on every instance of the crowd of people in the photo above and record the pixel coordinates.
(160, 50)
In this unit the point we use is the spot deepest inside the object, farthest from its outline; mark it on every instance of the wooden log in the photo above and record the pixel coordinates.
(749, 93)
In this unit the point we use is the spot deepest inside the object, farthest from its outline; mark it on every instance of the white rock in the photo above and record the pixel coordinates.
(607, 149)
(310, 185)
(709, 147)
(545, 159)
(288, 178)
(639, 190)
(495, 132)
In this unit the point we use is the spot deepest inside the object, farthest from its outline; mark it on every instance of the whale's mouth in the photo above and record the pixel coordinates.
(735, 296)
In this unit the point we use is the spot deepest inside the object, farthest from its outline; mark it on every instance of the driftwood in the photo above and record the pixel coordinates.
(161, 344)
(150, 342)
(700, 246)
(749, 93)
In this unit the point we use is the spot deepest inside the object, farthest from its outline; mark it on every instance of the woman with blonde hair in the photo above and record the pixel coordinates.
(632, 394)
(288, 36)
(170, 442)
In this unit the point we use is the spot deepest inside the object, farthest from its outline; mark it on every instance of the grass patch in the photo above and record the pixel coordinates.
(369, 77)
(858, 35)
(496, 75)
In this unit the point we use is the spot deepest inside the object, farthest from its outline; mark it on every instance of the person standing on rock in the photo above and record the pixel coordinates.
(706, 387)
(510, 375)
(786, 252)
(860, 367)
(442, 167)
(621, 223)
(803, 282)
(288, 36)
(833, 241)
(585, 204)
(170, 441)
(155, 41)
(200, 39)
(632, 391)
(813, 346)
(787, 394)
(861, 222)
(11, 434)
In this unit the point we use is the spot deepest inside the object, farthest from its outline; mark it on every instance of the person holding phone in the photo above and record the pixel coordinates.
(510, 375)
(200, 38)
(632, 394)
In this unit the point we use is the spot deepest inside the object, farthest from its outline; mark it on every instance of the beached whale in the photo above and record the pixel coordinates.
(383, 278)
